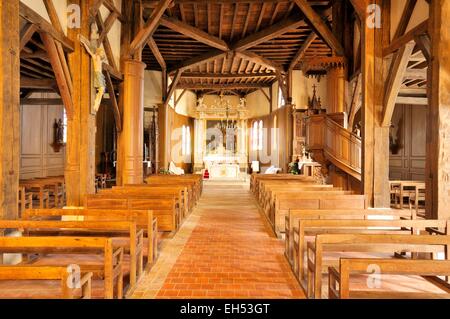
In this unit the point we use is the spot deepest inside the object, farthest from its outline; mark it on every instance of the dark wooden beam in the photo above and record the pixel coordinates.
(405, 18)
(420, 29)
(44, 26)
(194, 33)
(150, 26)
(231, 86)
(204, 58)
(256, 58)
(113, 102)
(301, 53)
(26, 33)
(424, 43)
(30, 83)
(269, 33)
(154, 48)
(173, 87)
(319, 25)
(205, 75)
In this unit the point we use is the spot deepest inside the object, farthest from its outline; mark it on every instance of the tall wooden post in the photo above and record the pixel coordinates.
(81, 128)
(131, 139)
(9, 108)
(375, 137)
(438, 128)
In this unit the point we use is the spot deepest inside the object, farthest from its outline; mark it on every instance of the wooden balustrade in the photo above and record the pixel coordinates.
(339, 145)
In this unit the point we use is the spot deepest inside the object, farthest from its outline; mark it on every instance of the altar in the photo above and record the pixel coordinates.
(228, 171)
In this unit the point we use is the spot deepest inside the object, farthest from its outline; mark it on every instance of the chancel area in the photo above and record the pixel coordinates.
(229, 149)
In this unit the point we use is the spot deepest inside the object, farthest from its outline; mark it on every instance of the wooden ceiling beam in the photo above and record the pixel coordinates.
(44, 26)
(150, 26)
(154, 48)
(205, 75)
(30, 83)
(405, 18)
(194, 33)
(256, 58)
(150, 4)
(231, 86)
(269, 33)
(319, 26)
(204, 58)
(411, 35)
(26, 34)
(173, 87)
(395, 80)
(301, 53)
(60, 75)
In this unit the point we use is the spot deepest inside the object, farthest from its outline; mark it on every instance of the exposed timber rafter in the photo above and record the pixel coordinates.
(319, 25)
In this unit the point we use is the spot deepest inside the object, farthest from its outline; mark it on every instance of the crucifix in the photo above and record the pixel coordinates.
(97, 53)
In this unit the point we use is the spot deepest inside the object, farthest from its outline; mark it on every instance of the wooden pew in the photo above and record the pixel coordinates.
(310, 200)
(110, 229)
(292, 231)
(188, 191)
(376, 245)
(310, 228)
(25, 200)
(143, 219)
(194, 178)
(165, 209)
(52, 249)
(180, 193)
(33, 282)
(339, 278)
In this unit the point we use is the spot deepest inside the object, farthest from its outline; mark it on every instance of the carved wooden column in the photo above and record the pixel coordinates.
(131, 139)
(438, 128)
(81, 128)
(9, 108)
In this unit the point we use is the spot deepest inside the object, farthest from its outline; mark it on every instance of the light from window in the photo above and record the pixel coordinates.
(275, 136)
(260, 136)
(255, 136)
(64, 126)
(281, 101)
(188, 140)
(183, 140)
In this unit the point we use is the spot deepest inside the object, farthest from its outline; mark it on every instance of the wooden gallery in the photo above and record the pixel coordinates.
(165, 149)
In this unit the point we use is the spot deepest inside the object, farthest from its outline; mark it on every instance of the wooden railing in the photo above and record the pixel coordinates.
(340, 146)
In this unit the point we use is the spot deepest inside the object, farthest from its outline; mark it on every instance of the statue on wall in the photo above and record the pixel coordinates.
(98, 56)
(58, 135)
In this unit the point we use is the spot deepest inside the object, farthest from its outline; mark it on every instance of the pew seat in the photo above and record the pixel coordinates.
(395, 279)
(32, 282)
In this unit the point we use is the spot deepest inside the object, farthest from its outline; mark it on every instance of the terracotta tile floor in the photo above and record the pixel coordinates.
(223, 250)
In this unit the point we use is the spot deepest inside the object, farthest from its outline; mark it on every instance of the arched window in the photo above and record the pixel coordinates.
(260, 136)
(188, 140)
(281, 101)
(183, 140)
(275, 133)
(255, 136)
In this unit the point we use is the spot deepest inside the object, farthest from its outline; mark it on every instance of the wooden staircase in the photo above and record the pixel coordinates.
(330, 141)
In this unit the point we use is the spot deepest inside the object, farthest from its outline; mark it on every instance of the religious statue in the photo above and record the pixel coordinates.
(242, 101)
(97, 53)
(58, 135)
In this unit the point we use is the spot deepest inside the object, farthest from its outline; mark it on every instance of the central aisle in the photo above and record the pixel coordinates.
(223, 250)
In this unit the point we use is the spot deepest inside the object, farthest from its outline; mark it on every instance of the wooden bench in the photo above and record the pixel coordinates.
(33, 282)
(377, 245)
(133, 265)
(188, 191)
(196, 179)
(180, 193)
(339, 278)
(310, 228)
(256, 180)
(292, 221)
(311, 200)
(156, 192)
(165, 208)
(143, 219)
(51, 252)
